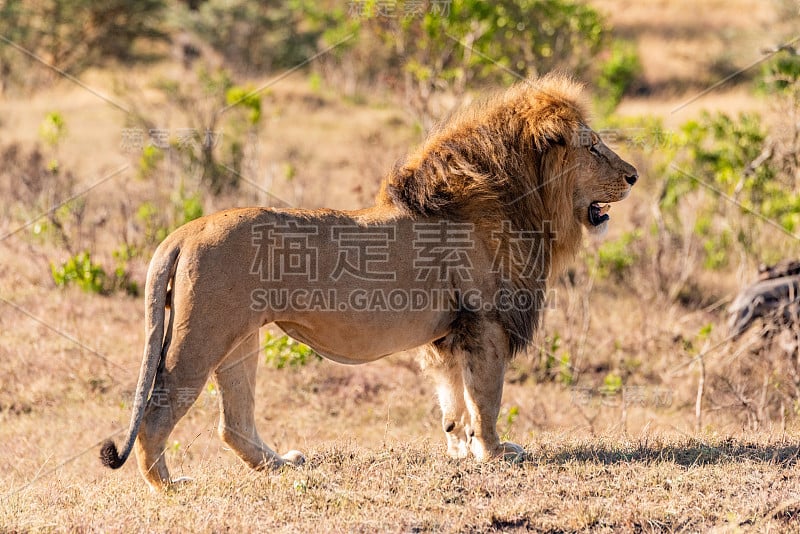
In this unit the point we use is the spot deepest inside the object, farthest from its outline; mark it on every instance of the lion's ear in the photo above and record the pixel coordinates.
(555, 140)
(549, 140)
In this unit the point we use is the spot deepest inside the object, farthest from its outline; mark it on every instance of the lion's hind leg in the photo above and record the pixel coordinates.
(446, 372)
(236, 380)
(191, 355)
(174, 392)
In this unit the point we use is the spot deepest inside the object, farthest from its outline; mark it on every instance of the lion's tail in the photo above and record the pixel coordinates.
(162, 269)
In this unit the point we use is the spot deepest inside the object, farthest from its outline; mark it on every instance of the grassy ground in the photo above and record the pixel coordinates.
(597, 459)
(645, 483)
(376, 458)
(375, 452)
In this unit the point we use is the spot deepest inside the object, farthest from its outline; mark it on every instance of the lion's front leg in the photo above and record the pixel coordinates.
(445, 370)
(483, 372)
(455, 420)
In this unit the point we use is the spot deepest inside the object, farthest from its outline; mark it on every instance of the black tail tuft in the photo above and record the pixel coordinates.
(109, 455)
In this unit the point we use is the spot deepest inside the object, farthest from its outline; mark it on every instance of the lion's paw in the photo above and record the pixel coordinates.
(511, 452)
(295, 458)
(174, 484)
(457, 444)
(457, 449)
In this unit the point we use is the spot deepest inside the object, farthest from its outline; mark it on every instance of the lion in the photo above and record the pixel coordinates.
(454, 257)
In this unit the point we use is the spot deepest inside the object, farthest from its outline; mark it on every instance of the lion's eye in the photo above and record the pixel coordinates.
(594, 150)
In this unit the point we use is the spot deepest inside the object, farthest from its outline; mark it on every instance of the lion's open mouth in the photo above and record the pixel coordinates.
(598, 214)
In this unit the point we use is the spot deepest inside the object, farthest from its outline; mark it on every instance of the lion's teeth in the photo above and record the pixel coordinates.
(604, 209)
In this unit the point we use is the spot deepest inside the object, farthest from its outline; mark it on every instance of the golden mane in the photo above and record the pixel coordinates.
(503, 164)
(506, 158)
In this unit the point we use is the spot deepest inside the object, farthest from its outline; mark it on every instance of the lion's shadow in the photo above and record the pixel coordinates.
(686, 455)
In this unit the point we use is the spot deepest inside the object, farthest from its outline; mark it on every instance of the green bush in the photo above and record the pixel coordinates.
(617, 74)
(469, 44)
(190, 207)
(614, 258)
(781, 73)
(612, 385)
(72, 34)
(151, 218)
(225, 118)
(506, 420)
(554, 362)
(741, 191)
(81, 271)
(255, 37)
(53, 128)
(248, 98)
(280, 351)
(158, 223)
(122, 278)
(149, 160)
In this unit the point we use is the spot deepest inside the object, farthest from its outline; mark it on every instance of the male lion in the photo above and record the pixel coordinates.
(454, 257)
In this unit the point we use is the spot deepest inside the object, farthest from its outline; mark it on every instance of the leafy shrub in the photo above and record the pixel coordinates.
(189, 208)
(470, 43)
(554, 362)
(280, 351)
(612, 384)
(149, 160)
(81, 271)
(506, 418)
(155, 229)
(617, 74)
(224, 119)
(614, 258)
(122, 279)
(248, 98)
(781, 73)
(716, 243)
(158, 223)
(53, 128)
(72, 34)
(255, 36)
(724, 161)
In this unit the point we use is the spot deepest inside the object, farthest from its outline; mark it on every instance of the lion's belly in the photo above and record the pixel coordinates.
(353, 338)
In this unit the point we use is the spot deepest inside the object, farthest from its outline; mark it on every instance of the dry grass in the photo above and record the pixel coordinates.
(375, 451)
(567, 484)
(685, 46)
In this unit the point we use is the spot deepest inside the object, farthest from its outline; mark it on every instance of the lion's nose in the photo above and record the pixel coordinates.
(631, 178)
